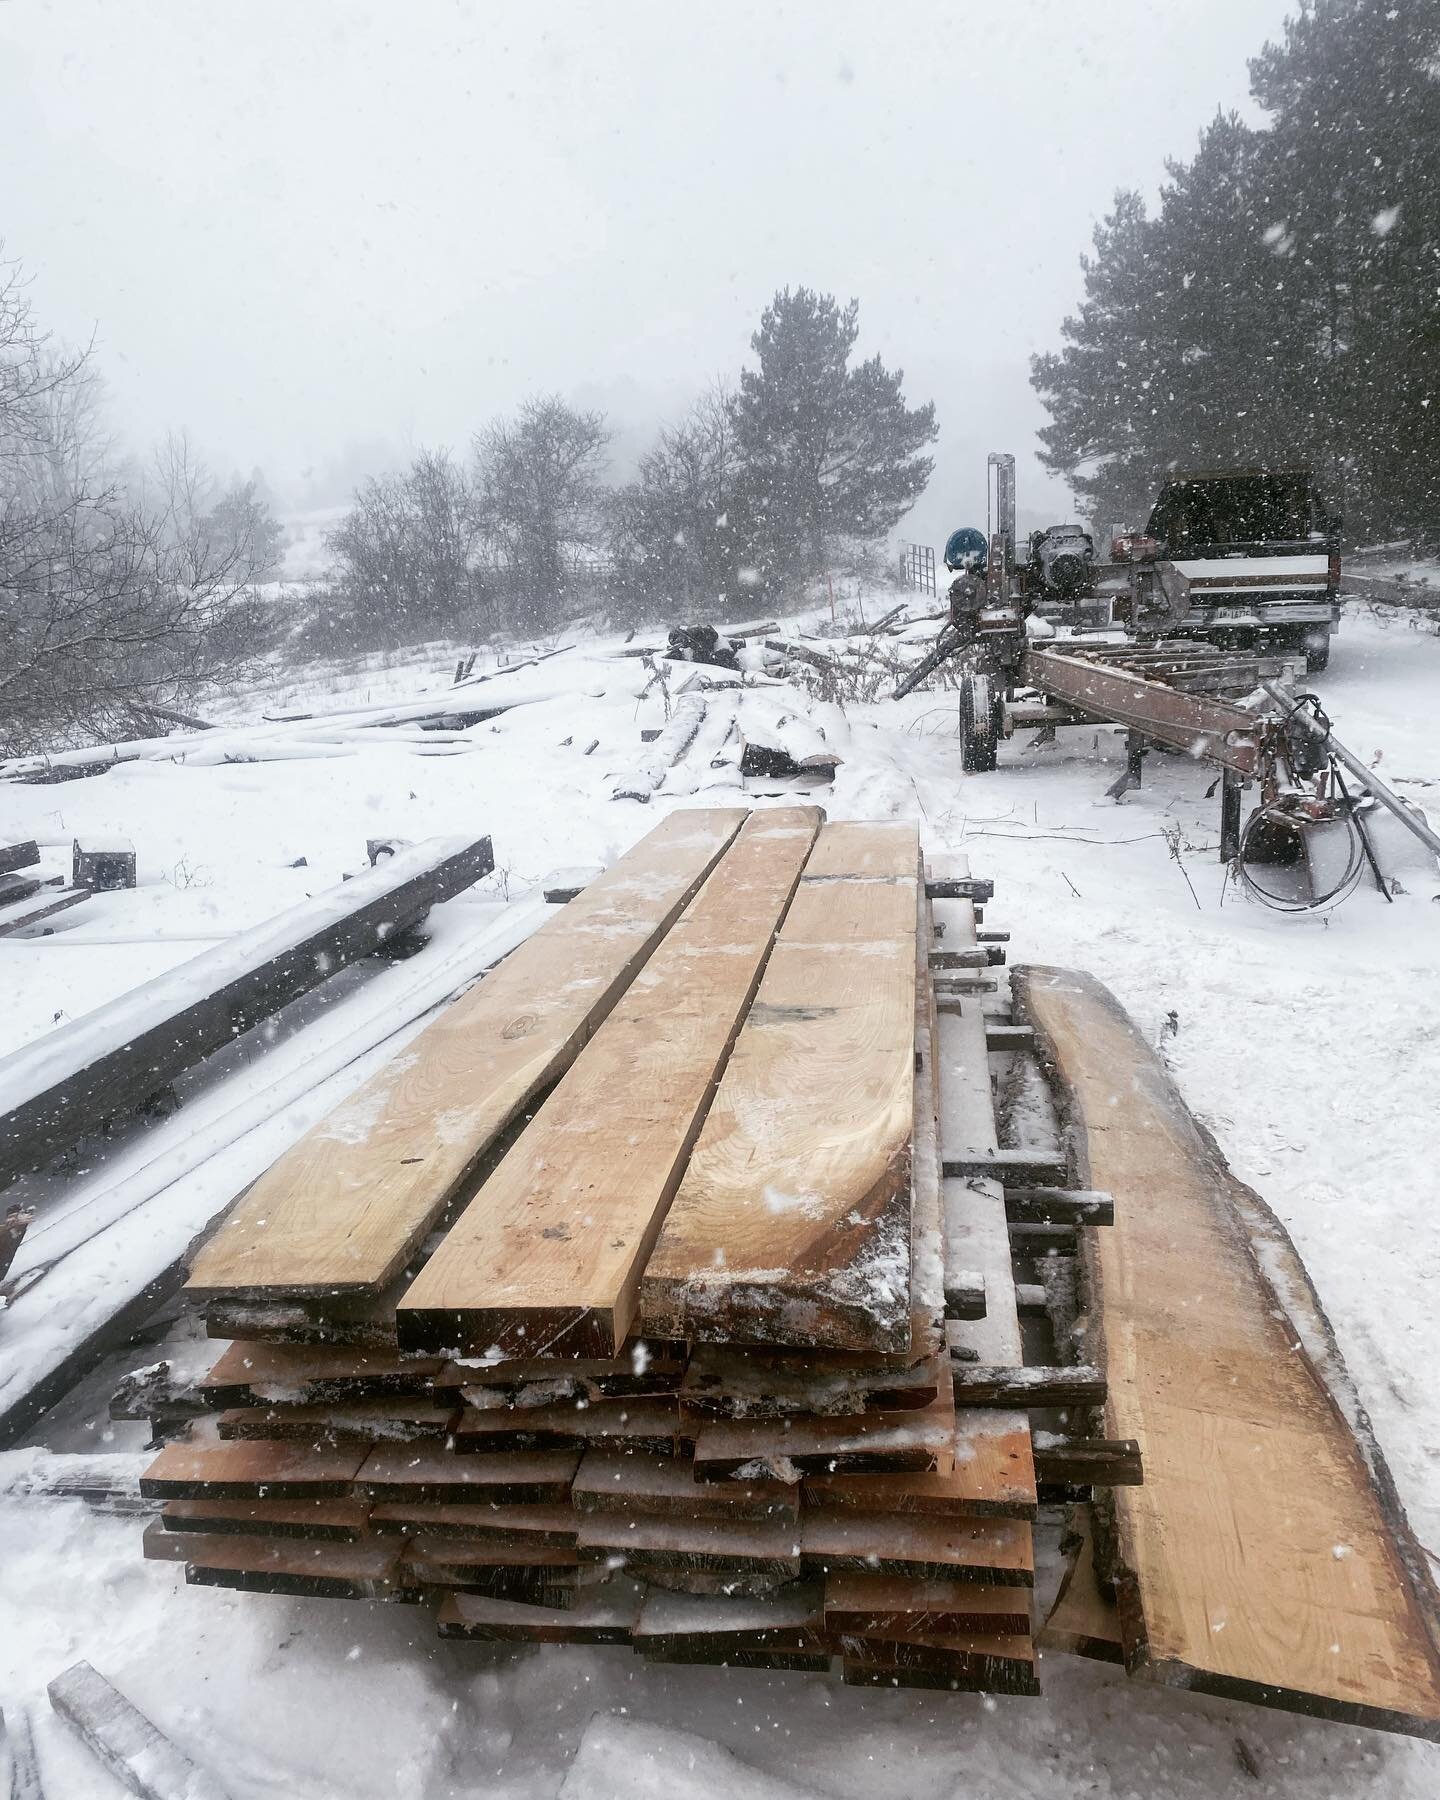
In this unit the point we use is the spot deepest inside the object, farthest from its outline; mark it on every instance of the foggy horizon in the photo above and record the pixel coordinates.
(315, 242)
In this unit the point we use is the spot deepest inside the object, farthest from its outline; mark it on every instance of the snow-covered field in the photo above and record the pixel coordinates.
(1309, 1045)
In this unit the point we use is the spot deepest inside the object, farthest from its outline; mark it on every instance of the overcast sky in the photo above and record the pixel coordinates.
(316, 233)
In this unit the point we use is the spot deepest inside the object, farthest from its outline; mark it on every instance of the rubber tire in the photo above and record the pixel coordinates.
(980, 709)
(1316, 660)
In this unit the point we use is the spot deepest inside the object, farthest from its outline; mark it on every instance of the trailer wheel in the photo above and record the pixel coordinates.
(980, 724)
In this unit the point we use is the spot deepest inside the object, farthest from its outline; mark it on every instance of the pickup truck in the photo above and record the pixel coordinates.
(1257, 556)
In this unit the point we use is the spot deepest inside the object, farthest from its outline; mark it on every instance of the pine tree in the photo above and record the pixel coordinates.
(832, 455)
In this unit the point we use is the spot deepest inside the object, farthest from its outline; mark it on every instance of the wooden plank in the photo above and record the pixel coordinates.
(23, 854)
(793, 1226)
(262, 1565)
(1030, 1168)
(311, 1375)
(693, 1627)
(1265, 1557)
(1087, 1462)
(863, 1601)
(547, 1257)
(19, 913)
(345, 1208)
(644, 1424)
(1051, 1205)
(922, 1439)
(556, 1523)
(605, 1615)
(986, 1665)
(1082, 1620)
(751, 1383)
(108, 1061)
(634, 1482)
(993, 1550)
(1071, 1384)
(426, 1474)
(337, 1521)
(213, 1470)
(766, 1546)
(357, 1422)
(993, 1474)
(123, 1739)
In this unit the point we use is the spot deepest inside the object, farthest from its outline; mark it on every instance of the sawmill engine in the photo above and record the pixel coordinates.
(1062, 558)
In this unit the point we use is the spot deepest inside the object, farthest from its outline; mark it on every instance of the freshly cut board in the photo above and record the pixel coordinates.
(346, 1207)
(1265, 1557)
(547, 1257)
(792, 1224)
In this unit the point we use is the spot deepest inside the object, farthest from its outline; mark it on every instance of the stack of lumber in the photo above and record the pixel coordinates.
(615, 1311)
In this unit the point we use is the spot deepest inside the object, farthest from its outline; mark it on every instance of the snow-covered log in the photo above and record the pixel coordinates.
(112, 1059)
(660, 757)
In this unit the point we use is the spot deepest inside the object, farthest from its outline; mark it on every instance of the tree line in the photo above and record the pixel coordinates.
(1282, 304)
(126, 588)
(803, 464)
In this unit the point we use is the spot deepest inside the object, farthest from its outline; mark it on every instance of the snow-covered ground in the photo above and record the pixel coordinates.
(1309, 1045)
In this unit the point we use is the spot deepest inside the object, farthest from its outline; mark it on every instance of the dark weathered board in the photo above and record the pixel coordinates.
(333, 1521)
(993, 1475)
(768, 1546)
(344, 1209)
(992, 1550)
(212, 1470)
(634, 1483)
(644, 1424)
(1259, 1513)
(922, 1439)
(869, 1603)
(604, 1615)
(313, 1375)
(110, 1060)
(548, 1255)
(430, 1475)
(355, 1422)
(555, 1523)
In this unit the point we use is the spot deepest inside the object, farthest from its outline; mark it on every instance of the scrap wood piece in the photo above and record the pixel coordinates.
(649, 772)
(115, 1057)
(344, 1209)
(427, 1474)
(1070, 1384)
(872, 1604)
(124, 1740)
(110, 1479)
(249, 1469)
(335, 1521)
(13, 1227)
(1293, 1537)
(602, 1615)
(993, 1474)
(792, 1224)
(923, 1439)
(1082, 1620)
(993, 1550)
(547, 1256)
(634, 1482)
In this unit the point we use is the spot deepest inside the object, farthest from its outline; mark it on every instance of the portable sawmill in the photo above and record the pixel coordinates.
(1224, 706)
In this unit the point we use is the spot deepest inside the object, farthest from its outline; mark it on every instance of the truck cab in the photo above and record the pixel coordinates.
(1259, 557)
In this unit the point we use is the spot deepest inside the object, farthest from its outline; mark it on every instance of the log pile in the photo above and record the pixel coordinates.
(624, 1308)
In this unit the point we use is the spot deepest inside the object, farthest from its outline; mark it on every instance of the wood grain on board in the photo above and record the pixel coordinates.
(1262, 1558)
(547, 1256)
(792, 1223)
(345, 1208)
(993, 1473)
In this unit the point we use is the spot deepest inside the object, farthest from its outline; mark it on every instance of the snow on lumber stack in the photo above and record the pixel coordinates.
(553, 1476)
(112, 1059)
(1266, 1556)
(349, 1205)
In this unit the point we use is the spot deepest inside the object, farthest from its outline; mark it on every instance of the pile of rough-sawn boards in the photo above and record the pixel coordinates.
(614, 1309)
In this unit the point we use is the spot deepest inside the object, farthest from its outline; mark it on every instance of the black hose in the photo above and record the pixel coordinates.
(1348, 882)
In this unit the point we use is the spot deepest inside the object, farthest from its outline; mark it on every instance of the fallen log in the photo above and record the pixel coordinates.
(652, 768)
(112, 1059)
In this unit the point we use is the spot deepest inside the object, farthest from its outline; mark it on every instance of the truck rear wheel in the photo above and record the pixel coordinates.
(1317, 657)
(980, 724)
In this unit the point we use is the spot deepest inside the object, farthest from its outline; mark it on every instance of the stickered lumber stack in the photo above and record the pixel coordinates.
(615, 1311)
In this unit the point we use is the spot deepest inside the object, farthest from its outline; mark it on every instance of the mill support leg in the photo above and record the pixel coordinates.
(1229, 816)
